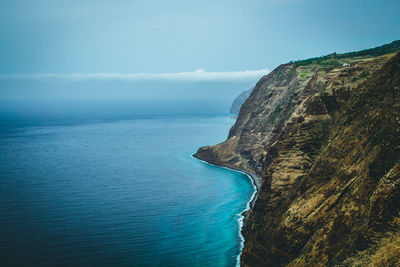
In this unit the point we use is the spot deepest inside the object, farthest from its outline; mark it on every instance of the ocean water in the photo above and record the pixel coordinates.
(118, 193)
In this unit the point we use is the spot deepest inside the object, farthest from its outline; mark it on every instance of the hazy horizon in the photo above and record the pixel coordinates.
(64, 56)
(118, 147)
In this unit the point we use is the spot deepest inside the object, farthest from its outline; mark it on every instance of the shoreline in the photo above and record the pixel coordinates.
(244, 215)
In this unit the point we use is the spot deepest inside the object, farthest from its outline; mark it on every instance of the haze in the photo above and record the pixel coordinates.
(197, 53)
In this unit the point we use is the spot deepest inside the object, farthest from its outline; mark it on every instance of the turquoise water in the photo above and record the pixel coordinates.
(124, 193)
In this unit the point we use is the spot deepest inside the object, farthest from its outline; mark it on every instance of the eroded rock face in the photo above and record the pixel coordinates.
(326, 142)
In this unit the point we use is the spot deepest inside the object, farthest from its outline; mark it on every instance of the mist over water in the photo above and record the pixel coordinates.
(108, 179)
(22, 112)
(102, 104)
(48, 99)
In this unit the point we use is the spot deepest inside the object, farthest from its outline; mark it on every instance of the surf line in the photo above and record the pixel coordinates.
(256, 183)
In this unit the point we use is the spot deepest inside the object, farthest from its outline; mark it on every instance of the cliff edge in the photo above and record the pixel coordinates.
(324, 136)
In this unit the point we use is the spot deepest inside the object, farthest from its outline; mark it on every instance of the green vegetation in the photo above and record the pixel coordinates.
(333, 60)
(274, 115)
(277, 109)
(291, 72)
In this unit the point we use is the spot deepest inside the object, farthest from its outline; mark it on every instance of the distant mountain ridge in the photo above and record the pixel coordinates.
(323, 135)
(239, 100)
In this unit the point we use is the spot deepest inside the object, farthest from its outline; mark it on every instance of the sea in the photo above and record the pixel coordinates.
(118, 192)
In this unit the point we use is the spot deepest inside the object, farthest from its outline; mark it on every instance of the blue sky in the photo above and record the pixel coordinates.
(151, 36)
(156, 51)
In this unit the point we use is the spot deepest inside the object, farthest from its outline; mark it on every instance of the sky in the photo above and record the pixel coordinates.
(158, 36)
(228, 43)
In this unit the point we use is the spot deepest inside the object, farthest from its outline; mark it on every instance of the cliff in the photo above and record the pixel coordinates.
(239, 100)
(324, 136)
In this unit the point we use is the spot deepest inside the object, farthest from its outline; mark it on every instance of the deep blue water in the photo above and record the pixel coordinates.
(118, 193)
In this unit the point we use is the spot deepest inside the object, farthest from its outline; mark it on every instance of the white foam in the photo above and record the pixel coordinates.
(241, 215)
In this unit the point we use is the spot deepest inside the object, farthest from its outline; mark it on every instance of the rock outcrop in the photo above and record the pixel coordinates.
(324, 136)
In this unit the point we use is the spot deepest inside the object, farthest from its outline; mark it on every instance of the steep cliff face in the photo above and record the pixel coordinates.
(324, 136)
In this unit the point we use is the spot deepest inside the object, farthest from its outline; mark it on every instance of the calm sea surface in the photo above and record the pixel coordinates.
(118, 193)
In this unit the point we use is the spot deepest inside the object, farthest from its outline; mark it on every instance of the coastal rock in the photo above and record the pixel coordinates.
(324, 136)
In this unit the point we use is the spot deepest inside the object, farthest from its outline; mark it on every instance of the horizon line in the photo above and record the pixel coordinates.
(197, 75)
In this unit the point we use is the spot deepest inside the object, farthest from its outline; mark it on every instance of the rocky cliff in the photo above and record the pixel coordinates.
(324, 136)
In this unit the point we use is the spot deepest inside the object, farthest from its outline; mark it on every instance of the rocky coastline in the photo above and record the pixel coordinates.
(322, 136)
